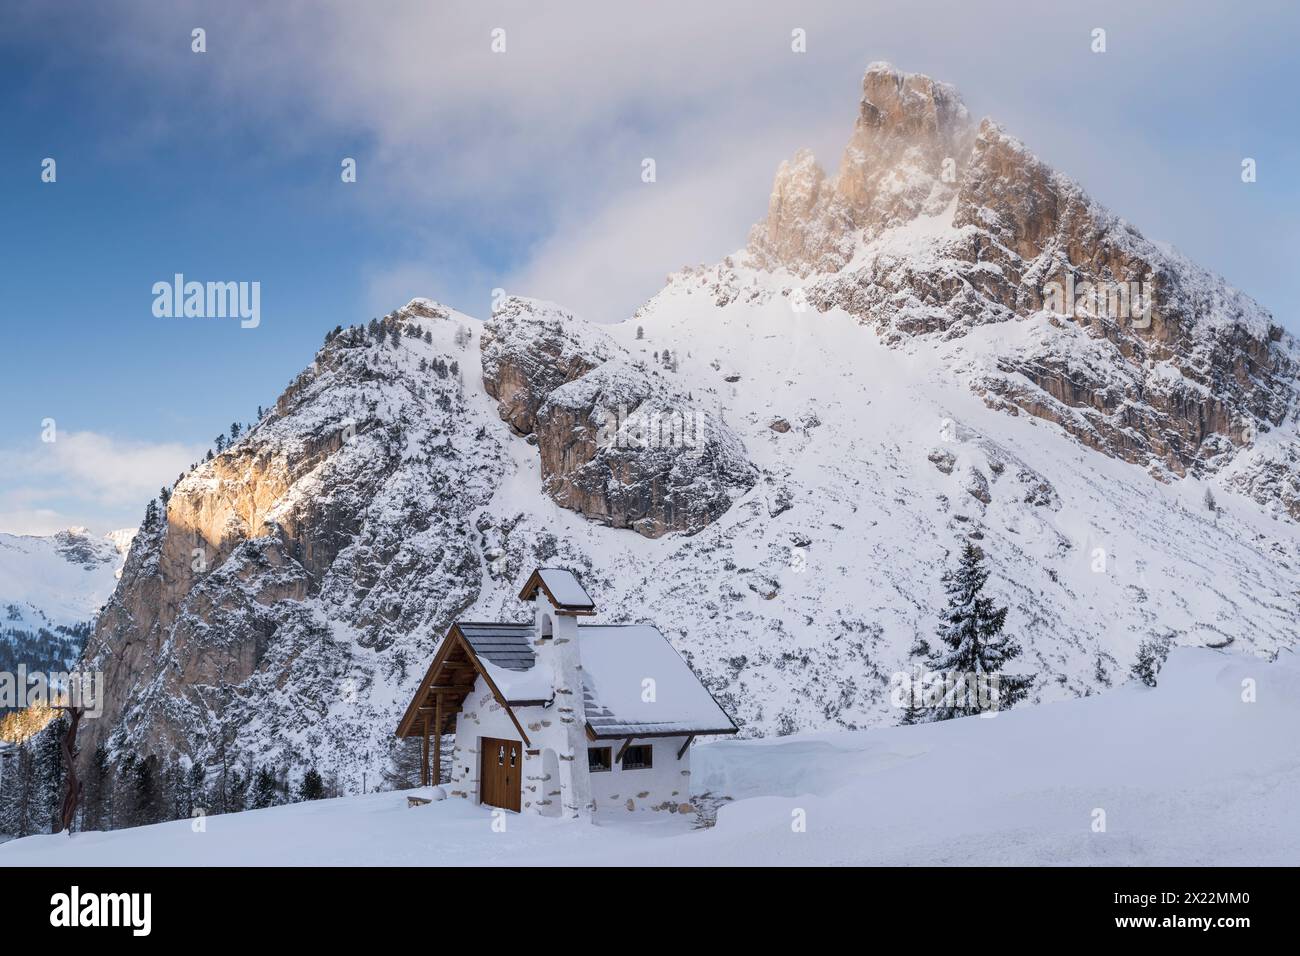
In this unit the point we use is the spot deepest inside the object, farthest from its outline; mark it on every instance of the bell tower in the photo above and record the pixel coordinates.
(558, 601)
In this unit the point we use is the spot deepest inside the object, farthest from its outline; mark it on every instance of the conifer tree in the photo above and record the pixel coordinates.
(914, 707)
(49, 755)
(124, 791)
(147, 804)
(263, 789)
(174, 798)
(238, 795)
(98, 798)
(194, 779)
(974, 647)
(913, 711)
(1151, 656)
(312, 786)
(18, 793)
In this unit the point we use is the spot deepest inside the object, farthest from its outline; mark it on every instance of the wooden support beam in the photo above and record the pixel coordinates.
(681, 753)
(437, 742)
(429, 708)
(622, 750)
(424, 755)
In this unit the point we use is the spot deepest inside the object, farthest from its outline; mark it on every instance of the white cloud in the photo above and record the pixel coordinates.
(36, 521)
(102, 482)
(533, 149)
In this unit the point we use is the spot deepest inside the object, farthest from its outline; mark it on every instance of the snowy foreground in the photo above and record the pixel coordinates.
(1187, 773)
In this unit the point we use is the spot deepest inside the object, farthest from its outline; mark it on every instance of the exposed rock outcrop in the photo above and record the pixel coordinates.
(529, 350)
(619, 443)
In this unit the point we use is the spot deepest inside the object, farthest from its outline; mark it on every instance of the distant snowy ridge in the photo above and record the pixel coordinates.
(58, 579)
(51, 589)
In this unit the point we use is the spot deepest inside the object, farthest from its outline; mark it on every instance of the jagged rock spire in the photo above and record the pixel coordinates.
(911, 138)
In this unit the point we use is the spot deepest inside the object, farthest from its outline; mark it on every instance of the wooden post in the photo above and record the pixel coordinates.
(437, 740)
(424, 755)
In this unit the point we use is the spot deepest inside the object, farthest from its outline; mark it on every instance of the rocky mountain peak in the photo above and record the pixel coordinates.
(908, 125)
(934, 226)
(902, 159)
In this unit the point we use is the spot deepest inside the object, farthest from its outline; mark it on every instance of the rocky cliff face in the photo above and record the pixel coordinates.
(796, 481)
(621, 442)
(932, 226)
(298, 568)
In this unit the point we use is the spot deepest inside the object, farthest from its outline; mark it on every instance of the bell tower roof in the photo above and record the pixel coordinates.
(562, 588)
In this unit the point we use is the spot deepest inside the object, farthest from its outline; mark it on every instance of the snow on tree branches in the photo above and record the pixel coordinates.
(974, 648)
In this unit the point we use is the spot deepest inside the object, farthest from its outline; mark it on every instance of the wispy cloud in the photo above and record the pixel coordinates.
(533, 149)
(85, 478)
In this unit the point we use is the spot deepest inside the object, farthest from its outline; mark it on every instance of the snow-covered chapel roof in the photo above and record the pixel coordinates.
(563, 589)
(617, 660)
(635, 684)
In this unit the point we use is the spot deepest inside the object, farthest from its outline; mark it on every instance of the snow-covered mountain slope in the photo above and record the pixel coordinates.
(786, 487)
(60, 579)
(1186, 774)
(51, 588)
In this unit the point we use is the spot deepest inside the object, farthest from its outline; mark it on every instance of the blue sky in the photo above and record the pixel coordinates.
(519, 170)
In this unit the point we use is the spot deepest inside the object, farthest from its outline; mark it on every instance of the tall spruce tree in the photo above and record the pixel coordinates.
(237, 791)
(913, 706)
(974, 648)
(18, 792)
(172, 782)
(312, 786)
(146, 804)
(264, 789)
(194, 788)
(97, 813)
(49, 754)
